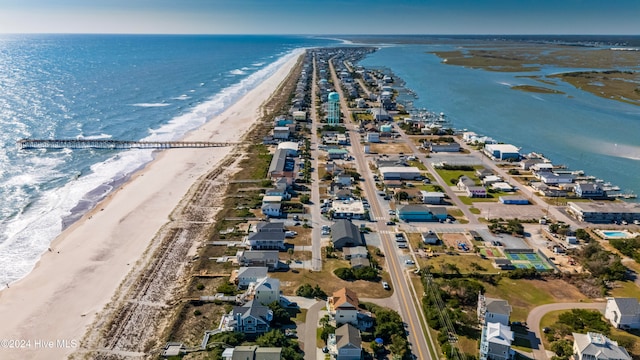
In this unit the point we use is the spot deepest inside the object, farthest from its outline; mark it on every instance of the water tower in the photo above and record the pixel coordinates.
(333, 114)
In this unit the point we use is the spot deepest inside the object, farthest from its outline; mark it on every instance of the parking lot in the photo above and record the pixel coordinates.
(495, 210)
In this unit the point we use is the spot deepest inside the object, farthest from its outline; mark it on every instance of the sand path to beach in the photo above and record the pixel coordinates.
(46, 314)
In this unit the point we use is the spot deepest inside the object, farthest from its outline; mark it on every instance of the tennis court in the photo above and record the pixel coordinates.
(527, 260)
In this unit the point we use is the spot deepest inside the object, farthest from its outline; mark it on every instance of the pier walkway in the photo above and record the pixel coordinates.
(25, 144)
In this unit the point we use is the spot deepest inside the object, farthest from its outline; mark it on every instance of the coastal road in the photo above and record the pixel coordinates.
(533, 322)
(410, 308)
(316, 216)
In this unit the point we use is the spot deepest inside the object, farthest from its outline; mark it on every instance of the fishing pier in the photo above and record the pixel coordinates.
(26, 144)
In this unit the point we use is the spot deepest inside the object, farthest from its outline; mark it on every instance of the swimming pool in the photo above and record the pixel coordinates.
(615, 234)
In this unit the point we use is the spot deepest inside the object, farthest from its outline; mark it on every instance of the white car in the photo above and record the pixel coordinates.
(385, 285)
(409, 262)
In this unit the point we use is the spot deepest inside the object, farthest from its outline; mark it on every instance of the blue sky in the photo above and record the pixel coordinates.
(322, 16)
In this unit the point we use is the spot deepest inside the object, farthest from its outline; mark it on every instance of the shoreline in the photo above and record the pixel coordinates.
(70, 285)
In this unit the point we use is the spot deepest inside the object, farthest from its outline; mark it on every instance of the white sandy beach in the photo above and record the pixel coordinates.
(59, 299)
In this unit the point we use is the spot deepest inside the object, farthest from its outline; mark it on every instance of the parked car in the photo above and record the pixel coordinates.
(391, 223)
(409, 262)
(385, 285)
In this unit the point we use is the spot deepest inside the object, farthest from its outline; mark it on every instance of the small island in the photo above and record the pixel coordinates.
(536, 89)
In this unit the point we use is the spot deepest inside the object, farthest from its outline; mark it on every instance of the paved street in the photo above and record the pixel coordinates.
(411, 313)
(533, 322)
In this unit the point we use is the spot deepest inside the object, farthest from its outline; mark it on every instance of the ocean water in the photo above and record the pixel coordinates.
(121, 87)
(578, 129)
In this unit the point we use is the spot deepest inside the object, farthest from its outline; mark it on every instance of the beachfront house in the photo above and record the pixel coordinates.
(248, 275)
(595, 346)
(252, 352)
(267, 290)
(268, 236)
(251, 319)
(623, 313)
(257, 258)
(271, 206)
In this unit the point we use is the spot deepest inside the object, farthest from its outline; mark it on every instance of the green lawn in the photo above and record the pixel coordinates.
(453, 175)
(522, 295)
(469, 200)
(625, 289)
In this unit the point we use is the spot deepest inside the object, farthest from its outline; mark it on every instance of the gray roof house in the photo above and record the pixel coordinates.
(345, 234)
(623, 312)
(269, 236)
(251, 319)
(595, 346)
(493, 310)
(252, 352)
(252, 258)
(248, 275)
(348, 342)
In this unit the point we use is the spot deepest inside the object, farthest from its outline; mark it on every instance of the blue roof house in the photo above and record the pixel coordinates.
(422, 213)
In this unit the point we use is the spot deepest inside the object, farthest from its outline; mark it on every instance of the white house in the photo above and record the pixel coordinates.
(373, 137)
(248, 275)
(431, 197)
(595, 346)
(343, 305)
(266, 291)
(290, 147)
(271, 205)
(493, 310)
(495, 342)
(551, 178)
(491, 179)
(281, 132)
(623, 312)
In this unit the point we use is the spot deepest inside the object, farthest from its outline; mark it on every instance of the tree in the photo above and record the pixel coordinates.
(345, 274)
(583, 234)
(305, 290)
(305, 199)
(280, 314)
(273, 338)
(563, 349)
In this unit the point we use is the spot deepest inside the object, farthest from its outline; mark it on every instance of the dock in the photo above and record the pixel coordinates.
(26, 144)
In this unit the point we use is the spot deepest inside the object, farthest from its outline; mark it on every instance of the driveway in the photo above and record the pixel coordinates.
(533, 322)
(307, 330)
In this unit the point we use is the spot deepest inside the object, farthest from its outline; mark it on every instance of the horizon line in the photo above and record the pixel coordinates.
(317, 34)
